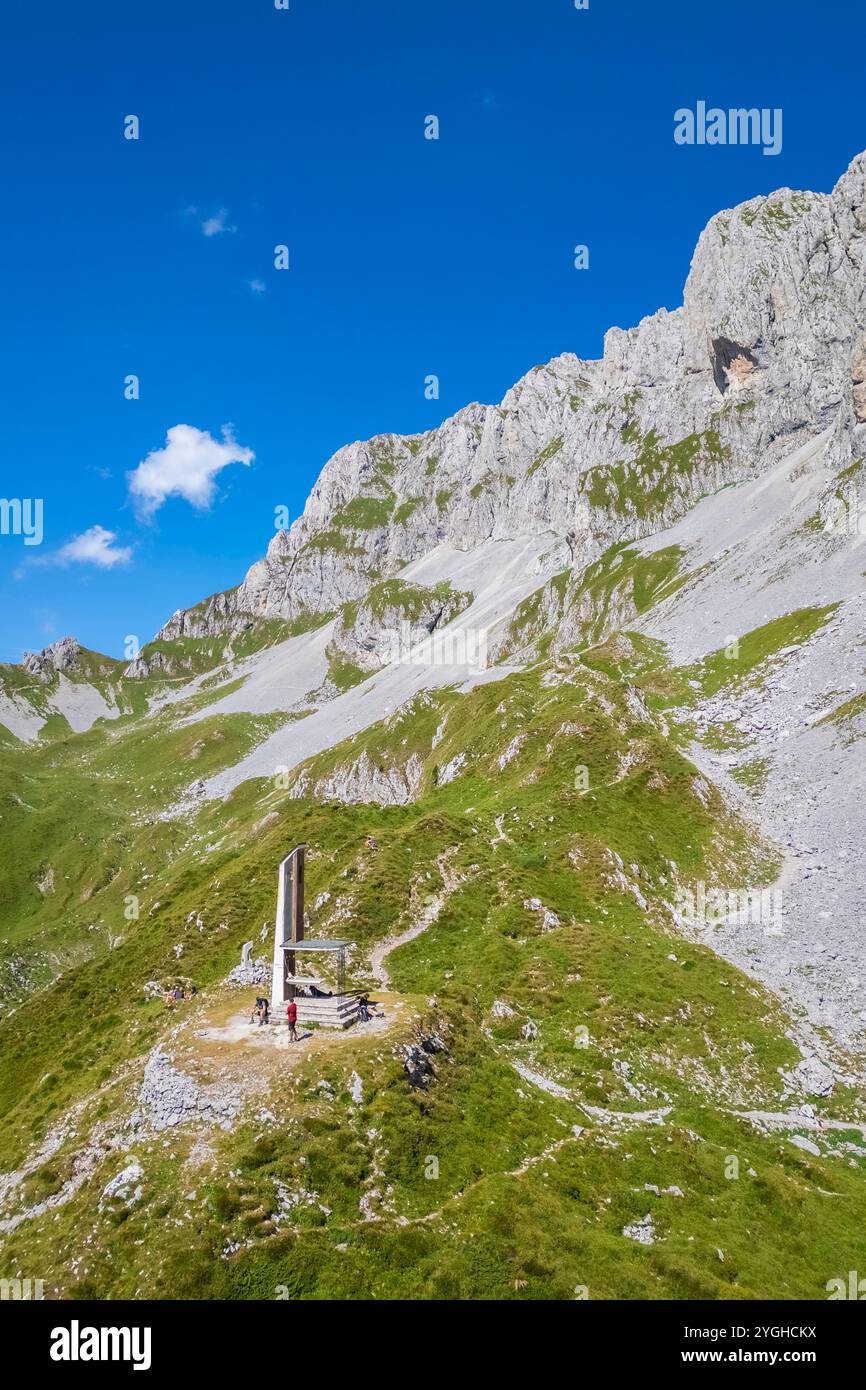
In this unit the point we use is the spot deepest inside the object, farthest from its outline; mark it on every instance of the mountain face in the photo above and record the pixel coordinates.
(769, 343)
(566, 699)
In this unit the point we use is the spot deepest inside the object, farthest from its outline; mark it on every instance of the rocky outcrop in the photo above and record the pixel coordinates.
(394, 621)
(219, 613)
(169, 1097)
(364, 781)
(417, 1057)
(148, 665)
(64, 655)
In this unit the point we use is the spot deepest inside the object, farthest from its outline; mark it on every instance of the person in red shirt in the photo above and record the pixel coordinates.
(292, 1016)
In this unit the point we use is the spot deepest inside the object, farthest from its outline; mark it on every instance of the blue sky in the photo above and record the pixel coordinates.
(408, 256)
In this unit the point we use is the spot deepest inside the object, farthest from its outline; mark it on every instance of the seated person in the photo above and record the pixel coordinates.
(317, 993)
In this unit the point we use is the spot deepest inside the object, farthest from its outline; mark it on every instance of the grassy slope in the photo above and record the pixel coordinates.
(691, 1034)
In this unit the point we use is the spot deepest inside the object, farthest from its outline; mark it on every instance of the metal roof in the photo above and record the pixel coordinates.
(319, 944)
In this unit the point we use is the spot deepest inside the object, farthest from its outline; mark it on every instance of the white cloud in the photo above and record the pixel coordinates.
(95, 546)
(186, 467)
(213, 226)
(257, 286)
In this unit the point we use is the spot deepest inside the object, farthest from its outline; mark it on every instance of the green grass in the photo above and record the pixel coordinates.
(612, 591)
(691, 1036)
(742, 663)
(344, 674)
(405, 509)
(334, 541)
(657, 475)
(752, 774)
(548, 452)
(413, 601)
(775, 216)
(364, 514)
(845, 716)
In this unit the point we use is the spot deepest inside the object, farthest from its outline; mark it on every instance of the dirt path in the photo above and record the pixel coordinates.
(424, 919)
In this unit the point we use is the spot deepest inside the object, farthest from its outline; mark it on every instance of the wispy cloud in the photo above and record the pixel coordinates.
(96, 546)
(217, 224)
(186, 467)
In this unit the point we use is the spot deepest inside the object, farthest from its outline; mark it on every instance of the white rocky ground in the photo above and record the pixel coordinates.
(80, 703)
(499, 573)
(755, 562)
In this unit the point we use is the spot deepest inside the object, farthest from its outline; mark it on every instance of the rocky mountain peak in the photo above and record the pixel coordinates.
(63, 655)
(767, 348)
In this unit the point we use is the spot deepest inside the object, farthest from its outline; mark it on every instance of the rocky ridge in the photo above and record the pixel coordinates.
(768, 346)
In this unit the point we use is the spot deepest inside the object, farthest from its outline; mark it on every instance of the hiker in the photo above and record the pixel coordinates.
(292, 1019)
(177, 994)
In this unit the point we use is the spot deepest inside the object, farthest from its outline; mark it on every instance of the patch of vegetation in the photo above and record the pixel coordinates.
(623, 583)
(364, 514)
(776, 215)
(845, 715)
(344, 674)
(548, 452)
(752, 774)
(744, 660)
(413, 601)
(405, 509)
(659, 474)
(335, 541)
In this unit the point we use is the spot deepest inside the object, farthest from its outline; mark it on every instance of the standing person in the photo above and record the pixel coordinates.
(292, 1016)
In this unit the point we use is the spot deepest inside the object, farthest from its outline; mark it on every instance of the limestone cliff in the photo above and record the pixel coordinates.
(768, 347)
